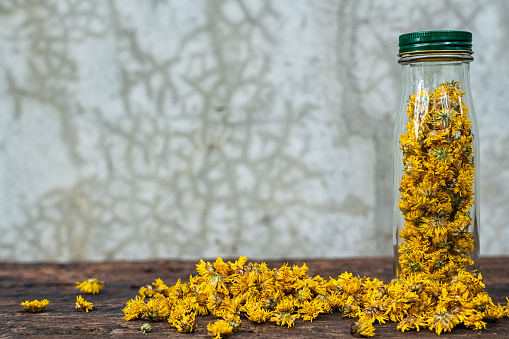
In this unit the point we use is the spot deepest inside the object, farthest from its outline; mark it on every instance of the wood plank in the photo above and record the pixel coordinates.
(56, 282)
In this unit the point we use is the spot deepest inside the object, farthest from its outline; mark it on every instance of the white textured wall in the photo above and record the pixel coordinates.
(139, 129)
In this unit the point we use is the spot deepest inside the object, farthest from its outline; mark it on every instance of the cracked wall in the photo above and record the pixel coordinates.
(133, 130)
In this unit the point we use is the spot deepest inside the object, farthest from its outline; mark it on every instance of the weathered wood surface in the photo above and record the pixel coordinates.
(56, 282)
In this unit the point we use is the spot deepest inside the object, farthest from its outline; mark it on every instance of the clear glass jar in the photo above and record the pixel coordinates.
(436, 157)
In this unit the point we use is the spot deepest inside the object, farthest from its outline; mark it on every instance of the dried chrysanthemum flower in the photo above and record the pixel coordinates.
(90, 286)
(442, 321)
(363, 327)
(219, 329)
(134, 308)
(284, 312)
(309, 310)
(82, 305)
(185, 322)
(255, 312)
(182, 315)
(147, 291)
(35, 305)
(156, 309)
(411, 323)
(282, 318)
(158, 286)
(233, 320)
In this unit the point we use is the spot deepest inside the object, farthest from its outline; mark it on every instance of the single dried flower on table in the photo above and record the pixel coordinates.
(134, 308)
(82, 305)
(35, 306)
(90, 286)
(219, 329)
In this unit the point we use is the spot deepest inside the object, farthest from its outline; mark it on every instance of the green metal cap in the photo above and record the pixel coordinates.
(435, 41)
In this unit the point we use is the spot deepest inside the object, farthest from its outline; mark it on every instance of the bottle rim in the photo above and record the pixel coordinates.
(436, 56)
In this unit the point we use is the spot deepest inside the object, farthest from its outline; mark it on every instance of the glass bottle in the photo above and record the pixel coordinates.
(436, 157)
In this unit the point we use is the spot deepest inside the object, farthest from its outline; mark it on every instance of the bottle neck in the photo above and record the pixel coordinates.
(427, 71)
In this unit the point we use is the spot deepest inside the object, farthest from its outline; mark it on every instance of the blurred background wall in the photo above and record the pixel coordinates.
(188, 129)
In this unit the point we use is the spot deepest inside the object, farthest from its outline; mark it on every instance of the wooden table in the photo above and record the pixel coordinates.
(57, 283)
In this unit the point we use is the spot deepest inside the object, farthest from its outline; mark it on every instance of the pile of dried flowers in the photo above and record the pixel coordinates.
(283, 295)
(436, 189)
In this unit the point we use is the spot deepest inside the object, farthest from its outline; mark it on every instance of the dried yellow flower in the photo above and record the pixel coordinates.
(363, 327)
(90, 286)
(82, 305)
(184, 322)
(35, 305)
(255, 311)
(134, 308)
(219, 329)
(156, 309)
(158, 286)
